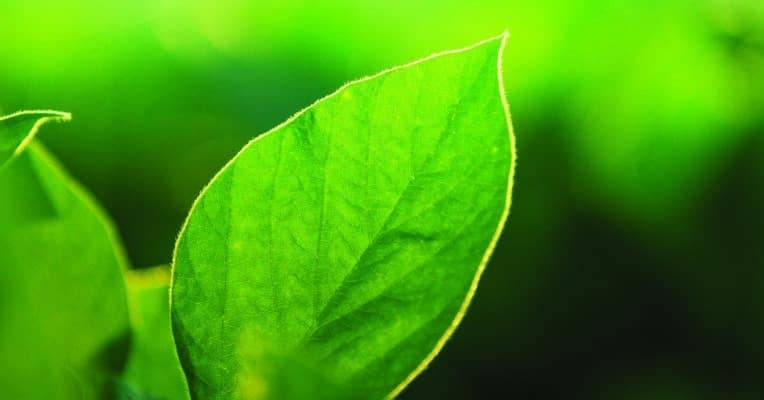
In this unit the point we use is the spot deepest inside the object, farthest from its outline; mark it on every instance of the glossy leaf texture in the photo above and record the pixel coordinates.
(153, 369)
(18, 129)
(349, 239)
(62, 305)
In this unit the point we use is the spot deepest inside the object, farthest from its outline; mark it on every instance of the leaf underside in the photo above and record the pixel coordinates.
(349, 238)
(63, 310)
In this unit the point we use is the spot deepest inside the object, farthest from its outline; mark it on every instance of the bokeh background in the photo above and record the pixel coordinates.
(632, 266)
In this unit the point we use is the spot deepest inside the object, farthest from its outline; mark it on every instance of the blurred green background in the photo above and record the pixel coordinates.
(632, 266)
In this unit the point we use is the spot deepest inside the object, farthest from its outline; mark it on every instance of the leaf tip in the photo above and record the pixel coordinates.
(55, 116)
(31, 120)
(65, 117)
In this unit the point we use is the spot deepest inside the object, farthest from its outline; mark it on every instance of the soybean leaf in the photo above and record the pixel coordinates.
(62, 304)
(352, 236)
(153, 367)
(18, 129)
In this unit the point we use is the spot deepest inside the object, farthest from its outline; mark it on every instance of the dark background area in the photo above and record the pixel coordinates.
(631, 266)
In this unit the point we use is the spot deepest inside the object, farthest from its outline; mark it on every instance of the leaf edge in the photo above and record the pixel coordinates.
(494, 240)
(44, 116)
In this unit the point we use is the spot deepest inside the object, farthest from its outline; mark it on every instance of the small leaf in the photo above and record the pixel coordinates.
(153, 367)
(63, 308)
(352, 236)
(17, 130)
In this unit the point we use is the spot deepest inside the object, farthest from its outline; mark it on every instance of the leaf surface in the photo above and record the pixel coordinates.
(18, 129)
(62, 304)
(352, 236)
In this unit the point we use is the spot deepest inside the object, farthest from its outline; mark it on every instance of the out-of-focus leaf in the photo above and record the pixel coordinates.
(350, 238)
(18, 129)
(62, 304)
(153, 367)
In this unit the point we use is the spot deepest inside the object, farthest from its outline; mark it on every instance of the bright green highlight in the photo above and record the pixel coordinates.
(18, 129)
(351, 237)
(65, 324)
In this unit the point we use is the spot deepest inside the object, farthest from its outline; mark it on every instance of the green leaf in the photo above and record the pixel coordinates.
(17, 130)
(63, 308)
(153, 367)
(352, 236)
